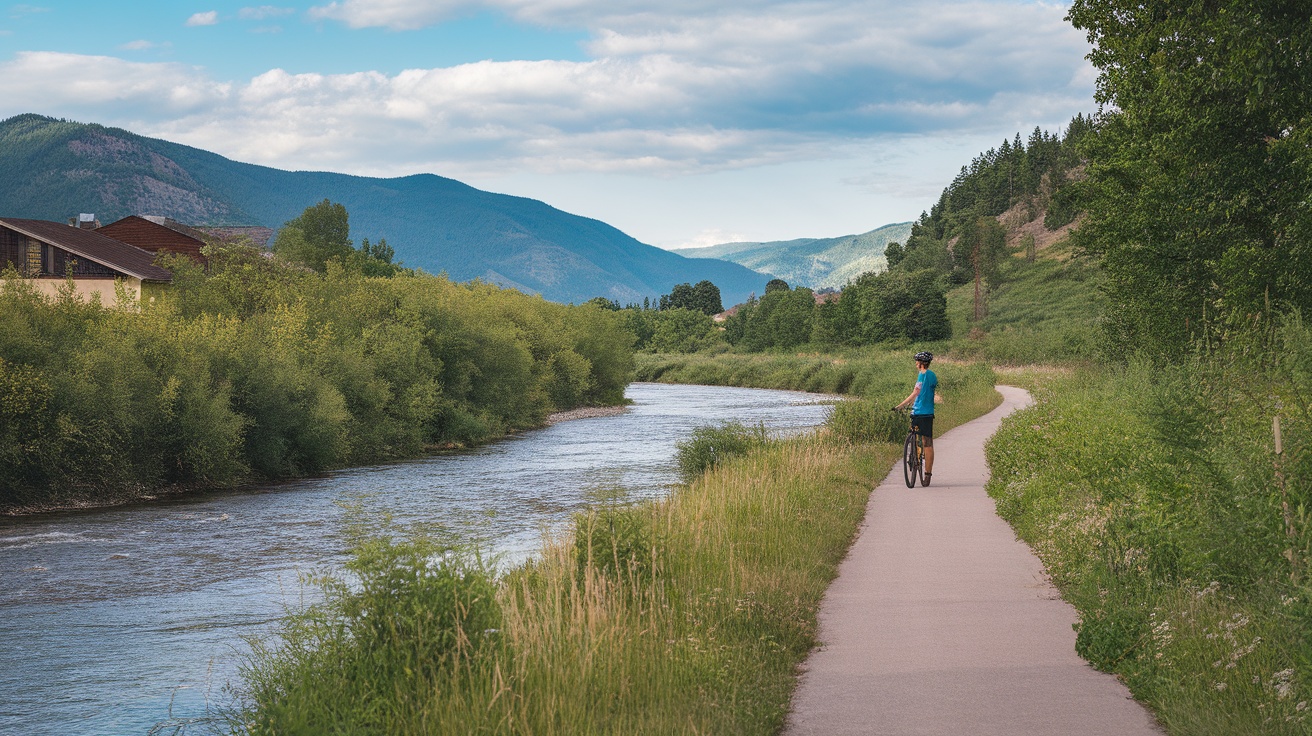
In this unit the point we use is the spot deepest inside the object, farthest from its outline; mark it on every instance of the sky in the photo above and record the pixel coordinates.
(681, 122)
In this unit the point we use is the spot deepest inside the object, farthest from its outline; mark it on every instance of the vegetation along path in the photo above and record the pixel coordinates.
(942, 622)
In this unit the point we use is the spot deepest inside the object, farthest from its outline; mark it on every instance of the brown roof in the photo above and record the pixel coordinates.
(156, 234)
(92, 245)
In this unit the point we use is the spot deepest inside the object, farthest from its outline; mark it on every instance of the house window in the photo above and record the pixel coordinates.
(34, 257)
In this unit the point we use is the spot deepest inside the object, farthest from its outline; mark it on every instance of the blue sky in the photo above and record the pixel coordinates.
(680, 122)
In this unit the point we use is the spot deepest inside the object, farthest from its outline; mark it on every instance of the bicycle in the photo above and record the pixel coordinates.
(913, 456)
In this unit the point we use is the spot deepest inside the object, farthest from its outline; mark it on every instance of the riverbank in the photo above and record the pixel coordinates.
(255, 370)
(586, 412)
(117, 497)
(684, 615)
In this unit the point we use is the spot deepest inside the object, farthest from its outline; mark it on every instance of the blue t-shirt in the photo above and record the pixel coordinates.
(924, 405)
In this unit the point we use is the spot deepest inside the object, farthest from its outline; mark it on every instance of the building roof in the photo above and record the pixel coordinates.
(92, 245)
(174, 225)
(157, 234)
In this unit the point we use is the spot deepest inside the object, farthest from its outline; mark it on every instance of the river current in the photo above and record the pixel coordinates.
(115, 620)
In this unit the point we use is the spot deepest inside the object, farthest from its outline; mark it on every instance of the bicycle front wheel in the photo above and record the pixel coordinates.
(911, 459)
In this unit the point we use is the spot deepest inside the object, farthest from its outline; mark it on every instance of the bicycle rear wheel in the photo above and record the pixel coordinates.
(911, 459)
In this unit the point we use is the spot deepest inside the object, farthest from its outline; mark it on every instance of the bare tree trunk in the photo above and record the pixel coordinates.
(979, 295)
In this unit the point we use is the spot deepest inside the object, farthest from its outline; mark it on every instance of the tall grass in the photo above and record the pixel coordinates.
(1041, 312)
(1157, 503)
(687, 615)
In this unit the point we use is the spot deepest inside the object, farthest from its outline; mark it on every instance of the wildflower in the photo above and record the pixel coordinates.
(1220, 686)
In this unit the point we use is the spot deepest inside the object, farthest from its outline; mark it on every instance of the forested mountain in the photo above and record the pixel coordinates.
(55, 169)
(816, 263)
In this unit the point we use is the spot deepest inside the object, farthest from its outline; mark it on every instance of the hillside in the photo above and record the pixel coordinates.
(813, 262)
(434, 223)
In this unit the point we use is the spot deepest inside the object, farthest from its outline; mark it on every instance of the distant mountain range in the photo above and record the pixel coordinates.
(54, 169)
(815, 262)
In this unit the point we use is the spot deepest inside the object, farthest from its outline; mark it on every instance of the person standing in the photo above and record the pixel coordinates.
(921, 402)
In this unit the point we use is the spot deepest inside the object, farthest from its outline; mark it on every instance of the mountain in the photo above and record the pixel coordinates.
(54, 169)
(814, 262)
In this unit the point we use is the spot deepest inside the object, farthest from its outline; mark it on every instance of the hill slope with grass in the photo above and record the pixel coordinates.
(434, 223)
(817, 263)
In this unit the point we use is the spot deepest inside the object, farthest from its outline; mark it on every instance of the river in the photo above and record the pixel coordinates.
(114, 620)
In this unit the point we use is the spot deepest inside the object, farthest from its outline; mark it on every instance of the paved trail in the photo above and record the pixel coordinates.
(941, 622)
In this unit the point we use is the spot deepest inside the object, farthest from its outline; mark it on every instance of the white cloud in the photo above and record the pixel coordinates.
(264, 12)
(208, 18)
(707, 90)
(139, 45)
(712, 236)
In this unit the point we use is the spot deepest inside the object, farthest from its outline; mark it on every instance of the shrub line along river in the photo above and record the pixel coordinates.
(111, 619)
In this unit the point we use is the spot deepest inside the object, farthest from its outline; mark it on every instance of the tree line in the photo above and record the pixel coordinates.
(261, 367)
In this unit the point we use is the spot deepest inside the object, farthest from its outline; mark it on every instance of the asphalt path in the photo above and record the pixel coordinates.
(941, 622)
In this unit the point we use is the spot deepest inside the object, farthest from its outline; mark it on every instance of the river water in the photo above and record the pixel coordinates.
(112, 621)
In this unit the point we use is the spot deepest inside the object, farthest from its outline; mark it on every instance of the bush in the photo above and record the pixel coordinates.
(709, 446)
(413, 618)
(868, 421)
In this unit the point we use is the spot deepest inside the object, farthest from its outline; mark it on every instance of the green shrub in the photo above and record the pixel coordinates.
(868, 421)
(709, 446)
(412, 619)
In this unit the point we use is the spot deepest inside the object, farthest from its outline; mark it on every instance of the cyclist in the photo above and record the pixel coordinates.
(921, 402)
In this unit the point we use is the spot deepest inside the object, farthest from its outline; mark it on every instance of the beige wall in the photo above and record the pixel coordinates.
(84, 288)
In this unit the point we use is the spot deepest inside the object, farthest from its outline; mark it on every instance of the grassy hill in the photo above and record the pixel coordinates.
(814, 262)
(1042, 312)
(57, 168)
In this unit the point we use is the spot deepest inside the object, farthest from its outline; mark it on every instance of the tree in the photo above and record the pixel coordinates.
(776, 285)
(1198, 173)
(891, 305)
(320, 233)
(893, 254)
(604, 303)
(704, 298)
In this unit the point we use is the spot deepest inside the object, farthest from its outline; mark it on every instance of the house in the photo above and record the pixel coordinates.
(157, 235)
(49, 253)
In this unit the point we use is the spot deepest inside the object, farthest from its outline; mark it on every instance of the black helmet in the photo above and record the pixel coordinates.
(924, 356)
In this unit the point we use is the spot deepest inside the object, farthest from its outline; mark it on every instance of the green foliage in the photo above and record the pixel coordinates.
(869, 420)
(710, 446)
(704, 297)
(260, 369)
(1198, 177)
(892, 305)
(783, 318)
(412, 618)
(893, 254)
(672, 330)
(322, 232)
(1159, 507)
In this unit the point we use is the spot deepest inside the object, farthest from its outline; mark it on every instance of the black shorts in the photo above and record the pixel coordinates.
(923, 424)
